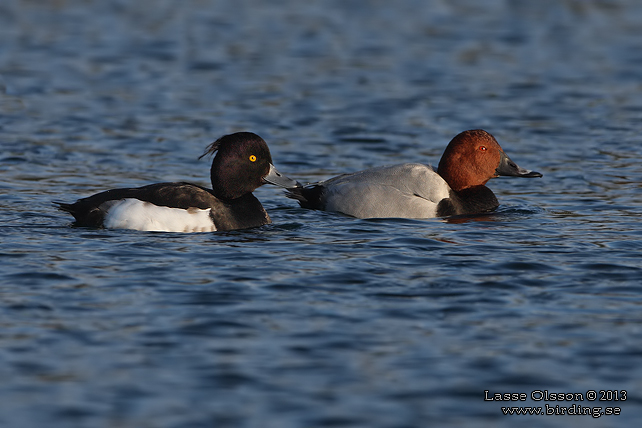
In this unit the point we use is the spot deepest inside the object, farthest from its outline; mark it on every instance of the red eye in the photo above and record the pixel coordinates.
(482, 148)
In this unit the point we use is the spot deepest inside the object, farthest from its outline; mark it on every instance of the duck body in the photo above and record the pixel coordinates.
(242, 164)
(405, 190)
(167, 207)
(413, 190)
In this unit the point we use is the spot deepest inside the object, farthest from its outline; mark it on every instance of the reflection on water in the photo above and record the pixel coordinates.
(318, 319)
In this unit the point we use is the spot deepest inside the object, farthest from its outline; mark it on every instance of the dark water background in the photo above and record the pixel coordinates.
(319, 320)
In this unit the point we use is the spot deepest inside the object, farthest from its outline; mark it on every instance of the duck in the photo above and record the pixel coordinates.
(241, 163)
(414, 190)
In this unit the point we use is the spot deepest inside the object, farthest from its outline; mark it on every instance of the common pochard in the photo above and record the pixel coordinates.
(413, 190)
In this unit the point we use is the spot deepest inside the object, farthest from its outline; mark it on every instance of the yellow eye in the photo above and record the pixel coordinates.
(252, 158)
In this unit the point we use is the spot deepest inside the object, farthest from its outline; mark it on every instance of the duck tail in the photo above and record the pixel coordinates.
(62, 206)
(308, 197)
(83, 216)
(296, 193)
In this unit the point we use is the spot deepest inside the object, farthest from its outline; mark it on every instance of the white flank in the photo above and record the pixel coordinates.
(140, 215)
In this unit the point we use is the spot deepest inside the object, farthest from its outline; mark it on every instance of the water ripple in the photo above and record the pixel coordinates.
(318, 319)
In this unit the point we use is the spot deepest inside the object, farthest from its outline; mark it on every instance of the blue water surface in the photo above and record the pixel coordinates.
(321, 320)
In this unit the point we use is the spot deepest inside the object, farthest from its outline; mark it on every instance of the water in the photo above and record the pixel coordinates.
(318, 319)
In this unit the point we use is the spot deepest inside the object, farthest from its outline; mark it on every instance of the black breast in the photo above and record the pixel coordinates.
(239, 213)
(474, 200)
